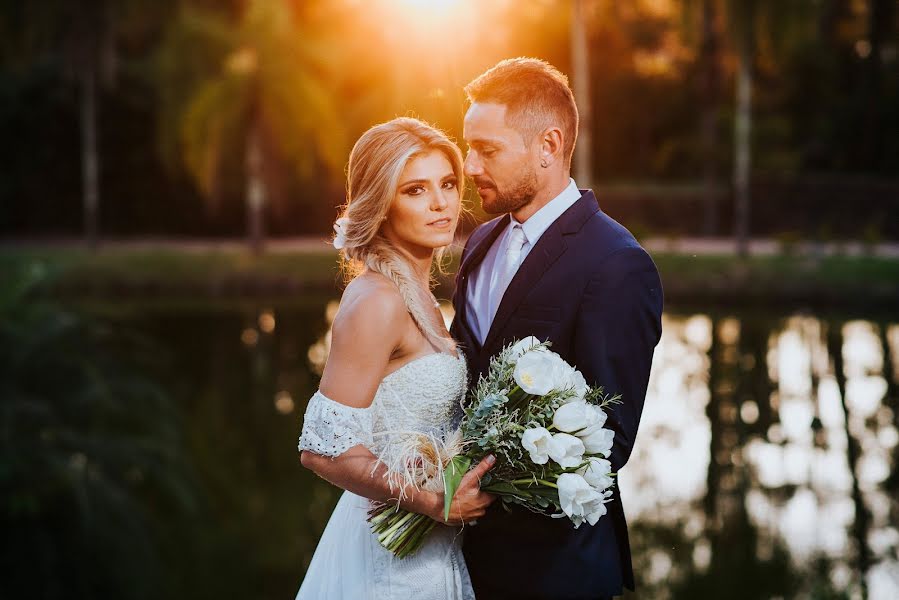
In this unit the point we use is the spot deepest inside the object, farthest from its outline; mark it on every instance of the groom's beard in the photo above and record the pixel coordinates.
(509, 200)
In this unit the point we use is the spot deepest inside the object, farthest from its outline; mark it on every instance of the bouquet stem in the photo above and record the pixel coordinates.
(399, 531)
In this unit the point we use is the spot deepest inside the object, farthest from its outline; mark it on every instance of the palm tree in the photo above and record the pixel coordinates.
(581, 68)
(710, 80)
(256, 84)
(744, 14)
(781, 26)
(740, 16)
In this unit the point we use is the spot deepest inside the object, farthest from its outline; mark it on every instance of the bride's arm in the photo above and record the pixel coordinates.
(364, 337)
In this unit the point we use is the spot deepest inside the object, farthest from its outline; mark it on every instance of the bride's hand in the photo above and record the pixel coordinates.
(469, 502)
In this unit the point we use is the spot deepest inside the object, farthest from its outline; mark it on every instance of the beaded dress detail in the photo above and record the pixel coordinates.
(423, 397)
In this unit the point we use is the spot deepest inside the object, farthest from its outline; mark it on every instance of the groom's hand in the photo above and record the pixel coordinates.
(470, 502)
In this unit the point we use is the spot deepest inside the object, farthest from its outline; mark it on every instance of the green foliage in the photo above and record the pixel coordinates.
(221, 77)
(452, 477)
(91, 459)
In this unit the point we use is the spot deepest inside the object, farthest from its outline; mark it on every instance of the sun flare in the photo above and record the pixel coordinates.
(429, 5)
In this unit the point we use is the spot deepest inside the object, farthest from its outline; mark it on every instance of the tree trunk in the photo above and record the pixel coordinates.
(255, 190)
(90, 157)
(709, 81)
(743, 131)
(880, 17)
(583, 153)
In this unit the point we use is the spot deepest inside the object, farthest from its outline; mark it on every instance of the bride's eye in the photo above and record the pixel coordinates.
(414, 190)
(450, 184)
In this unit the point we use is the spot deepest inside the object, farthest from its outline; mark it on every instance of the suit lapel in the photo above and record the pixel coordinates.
(549, 248)
(477, 253)
(539, 259)
(472, 260)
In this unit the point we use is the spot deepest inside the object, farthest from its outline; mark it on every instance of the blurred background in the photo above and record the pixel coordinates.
(170, 173)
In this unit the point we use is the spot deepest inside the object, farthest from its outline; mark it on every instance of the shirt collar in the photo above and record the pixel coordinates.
(541, 220)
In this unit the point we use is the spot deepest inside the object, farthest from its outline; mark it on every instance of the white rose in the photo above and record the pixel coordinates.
(599, 442)
(598, 473)
(576, 496)
(567, 450)
(521, 347)
(534, 372)
(537, 442)
(572, 416)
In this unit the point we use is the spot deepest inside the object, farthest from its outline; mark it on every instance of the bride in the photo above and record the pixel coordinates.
(393, 371)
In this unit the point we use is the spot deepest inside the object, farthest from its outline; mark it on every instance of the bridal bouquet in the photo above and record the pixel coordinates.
(536, 414)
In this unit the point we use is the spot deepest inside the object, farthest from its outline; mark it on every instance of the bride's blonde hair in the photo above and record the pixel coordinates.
(373, 175)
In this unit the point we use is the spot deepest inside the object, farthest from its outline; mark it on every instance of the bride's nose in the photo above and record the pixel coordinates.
(438, 202)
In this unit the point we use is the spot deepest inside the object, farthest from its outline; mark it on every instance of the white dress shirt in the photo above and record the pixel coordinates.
(483, 296)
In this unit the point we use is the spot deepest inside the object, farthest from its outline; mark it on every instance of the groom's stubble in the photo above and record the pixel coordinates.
(517, 195)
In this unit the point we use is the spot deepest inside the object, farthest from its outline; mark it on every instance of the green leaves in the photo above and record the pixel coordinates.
(221, 78)
(452, 477)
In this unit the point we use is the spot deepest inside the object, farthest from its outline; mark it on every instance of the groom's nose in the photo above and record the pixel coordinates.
(472, 165)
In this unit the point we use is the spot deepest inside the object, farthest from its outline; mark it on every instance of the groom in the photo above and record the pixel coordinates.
(554, 266)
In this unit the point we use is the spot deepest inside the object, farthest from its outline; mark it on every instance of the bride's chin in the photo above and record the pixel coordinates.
(435, 242)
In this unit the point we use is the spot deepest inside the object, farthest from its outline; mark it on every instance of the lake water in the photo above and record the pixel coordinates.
(766, 466)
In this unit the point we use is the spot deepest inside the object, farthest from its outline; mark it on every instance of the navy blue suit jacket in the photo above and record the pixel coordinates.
(589, 288)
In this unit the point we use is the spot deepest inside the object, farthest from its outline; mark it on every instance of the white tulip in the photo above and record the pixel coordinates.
(534, 372)
(576, 497)
(596, 508)
(561, 373)
(537, 442)
(573, 416)
(521, 347)
(599, 442)
(572, 380)
(596, 418)
(598, 473)
(578, 384)
(567, 450)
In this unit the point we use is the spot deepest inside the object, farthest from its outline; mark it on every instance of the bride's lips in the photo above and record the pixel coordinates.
(441, 222)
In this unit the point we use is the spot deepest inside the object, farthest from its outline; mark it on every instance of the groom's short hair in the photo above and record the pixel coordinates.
(536, 95)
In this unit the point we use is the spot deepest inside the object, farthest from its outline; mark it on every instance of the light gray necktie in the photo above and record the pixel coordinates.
(508, 266)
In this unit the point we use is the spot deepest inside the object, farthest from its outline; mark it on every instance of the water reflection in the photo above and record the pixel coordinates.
(766, 465)
(779, 436)
(766, 461)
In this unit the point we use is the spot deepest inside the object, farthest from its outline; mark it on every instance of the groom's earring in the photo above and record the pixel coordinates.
(543, 164)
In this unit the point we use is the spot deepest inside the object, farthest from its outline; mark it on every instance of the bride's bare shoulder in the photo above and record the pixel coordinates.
(371, 303)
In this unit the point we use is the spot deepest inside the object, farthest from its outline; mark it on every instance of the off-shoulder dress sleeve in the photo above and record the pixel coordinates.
(331, 428)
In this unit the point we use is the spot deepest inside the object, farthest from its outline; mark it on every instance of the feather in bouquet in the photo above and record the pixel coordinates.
(418, 464)
(536, 414)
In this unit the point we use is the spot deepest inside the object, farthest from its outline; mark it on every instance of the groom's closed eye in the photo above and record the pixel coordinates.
(485, 151)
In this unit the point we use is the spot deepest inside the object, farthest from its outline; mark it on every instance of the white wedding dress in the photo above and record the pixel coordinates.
(423, 396)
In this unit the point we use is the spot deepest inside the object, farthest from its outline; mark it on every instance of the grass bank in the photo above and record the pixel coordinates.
(171, 275)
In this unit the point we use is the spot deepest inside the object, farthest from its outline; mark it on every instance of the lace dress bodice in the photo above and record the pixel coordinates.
(423, 397)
